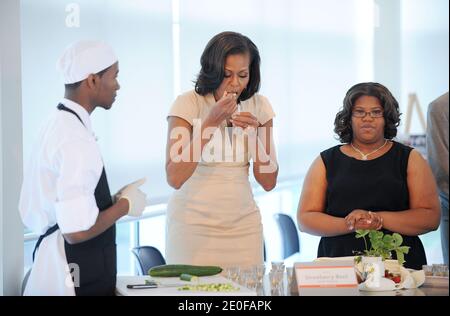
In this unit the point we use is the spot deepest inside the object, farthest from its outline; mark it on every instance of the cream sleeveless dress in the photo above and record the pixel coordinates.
(213, 218)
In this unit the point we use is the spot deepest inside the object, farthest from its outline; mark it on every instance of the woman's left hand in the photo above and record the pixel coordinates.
(245, 120)
(362, 219)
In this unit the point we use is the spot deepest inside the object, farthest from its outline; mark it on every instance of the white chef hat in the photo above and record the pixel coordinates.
(83, 58)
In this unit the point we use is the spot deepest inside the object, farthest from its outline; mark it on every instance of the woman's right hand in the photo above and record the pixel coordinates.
(223, 109)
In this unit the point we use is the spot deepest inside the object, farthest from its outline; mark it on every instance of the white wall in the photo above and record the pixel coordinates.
(11, 232)
(1, 184)
(425, 52)
(387, 45)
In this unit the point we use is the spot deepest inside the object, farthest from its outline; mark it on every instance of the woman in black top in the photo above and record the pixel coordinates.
(369, 182)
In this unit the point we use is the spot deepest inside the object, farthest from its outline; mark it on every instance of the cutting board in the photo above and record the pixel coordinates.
(123, 281)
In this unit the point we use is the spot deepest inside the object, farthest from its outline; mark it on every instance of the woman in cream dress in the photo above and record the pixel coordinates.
(214, 131)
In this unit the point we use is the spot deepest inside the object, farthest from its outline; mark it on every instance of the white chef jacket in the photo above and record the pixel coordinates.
(58, 187)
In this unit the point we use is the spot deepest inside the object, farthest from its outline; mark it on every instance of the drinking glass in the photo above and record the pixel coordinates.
(276, 283)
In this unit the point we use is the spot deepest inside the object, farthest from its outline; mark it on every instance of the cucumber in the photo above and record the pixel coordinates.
(188, 277)
(175, 270)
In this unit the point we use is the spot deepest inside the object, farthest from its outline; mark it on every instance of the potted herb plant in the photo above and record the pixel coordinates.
(381, 248)
(382, 245)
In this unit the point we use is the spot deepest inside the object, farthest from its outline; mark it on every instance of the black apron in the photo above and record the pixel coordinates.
(96, 258)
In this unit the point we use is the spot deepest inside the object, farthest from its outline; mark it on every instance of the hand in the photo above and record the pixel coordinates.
(223, 109)
(245, 120)
(362, 219)
(375, 222)
(137, 199)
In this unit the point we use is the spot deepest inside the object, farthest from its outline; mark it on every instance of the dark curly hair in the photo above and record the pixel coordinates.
(343, 121)
(213, 63)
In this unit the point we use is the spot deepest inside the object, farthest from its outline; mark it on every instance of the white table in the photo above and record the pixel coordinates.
(170, 290)
(424, 290)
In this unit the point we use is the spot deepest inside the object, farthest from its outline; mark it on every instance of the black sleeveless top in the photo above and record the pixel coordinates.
(376, 185)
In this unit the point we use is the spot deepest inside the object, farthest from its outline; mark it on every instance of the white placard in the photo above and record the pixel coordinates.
(326, 278)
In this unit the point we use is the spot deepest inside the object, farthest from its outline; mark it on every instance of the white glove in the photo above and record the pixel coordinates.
(137, 199)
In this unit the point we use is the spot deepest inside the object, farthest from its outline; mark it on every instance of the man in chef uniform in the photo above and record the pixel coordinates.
(65, 196)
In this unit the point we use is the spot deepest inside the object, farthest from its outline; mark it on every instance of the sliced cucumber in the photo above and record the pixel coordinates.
(188, 277)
